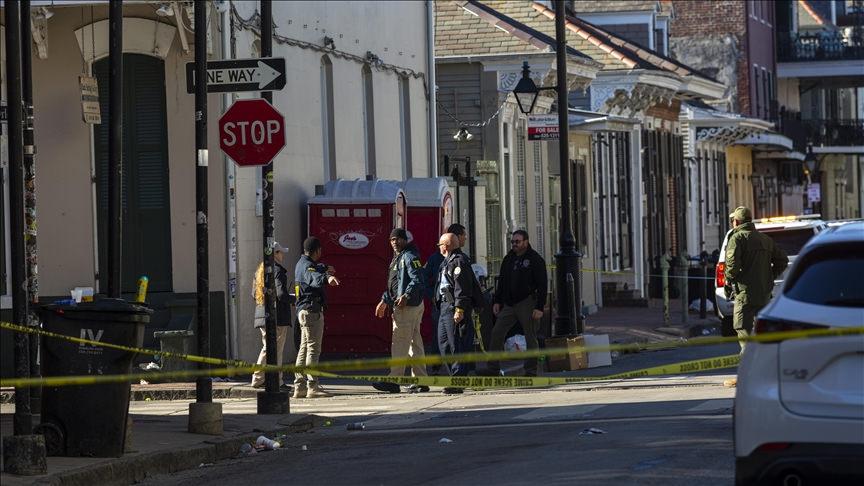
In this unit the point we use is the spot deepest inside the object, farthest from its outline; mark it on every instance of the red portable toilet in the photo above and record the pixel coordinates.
(430, 212)
(353, 220)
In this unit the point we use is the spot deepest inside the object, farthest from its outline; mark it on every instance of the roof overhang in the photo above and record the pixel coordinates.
(780, 155)
(702, 88)
(834, 149)
(818, 69)
(767, 142)
(628, 93)
(591, 121)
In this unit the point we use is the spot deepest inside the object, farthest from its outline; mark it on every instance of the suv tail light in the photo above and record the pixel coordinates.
(764, 326)
(720, 275)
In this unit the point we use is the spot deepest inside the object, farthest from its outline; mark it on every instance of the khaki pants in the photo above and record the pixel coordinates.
(407, 340)
(281, 336)
(311, 332)
(506, 319)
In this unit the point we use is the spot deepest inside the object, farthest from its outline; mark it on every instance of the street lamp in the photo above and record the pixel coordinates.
(526, 91)
(810, 160)
(568, 307)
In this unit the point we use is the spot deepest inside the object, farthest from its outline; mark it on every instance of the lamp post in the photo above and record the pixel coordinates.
(567, 259)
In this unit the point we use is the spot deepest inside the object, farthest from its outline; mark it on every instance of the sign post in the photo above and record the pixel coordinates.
(232, 75)
(252, 132)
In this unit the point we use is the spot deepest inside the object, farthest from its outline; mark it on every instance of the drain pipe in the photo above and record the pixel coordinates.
(230, 201)
(432, 94)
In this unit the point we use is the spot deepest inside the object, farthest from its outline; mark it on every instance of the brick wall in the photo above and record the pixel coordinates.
(699, 20)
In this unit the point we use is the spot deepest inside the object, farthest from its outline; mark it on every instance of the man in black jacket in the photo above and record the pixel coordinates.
(404, 298)
(311, 278)
(457, 293)
(520, 297)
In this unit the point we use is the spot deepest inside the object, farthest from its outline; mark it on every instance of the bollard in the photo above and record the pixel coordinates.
(703, 260)
(685, 280)
(664, 271)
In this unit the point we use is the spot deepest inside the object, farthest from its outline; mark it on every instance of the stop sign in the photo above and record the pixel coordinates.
(251, 132)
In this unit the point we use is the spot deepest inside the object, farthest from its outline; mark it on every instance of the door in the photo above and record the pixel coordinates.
(146, 211)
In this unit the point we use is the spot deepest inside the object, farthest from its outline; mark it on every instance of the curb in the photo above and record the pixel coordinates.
(134, 469)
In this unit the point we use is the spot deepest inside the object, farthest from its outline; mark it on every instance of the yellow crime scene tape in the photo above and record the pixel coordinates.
(237, 367)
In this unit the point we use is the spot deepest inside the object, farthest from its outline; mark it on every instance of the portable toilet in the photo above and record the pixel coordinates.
(353, 220)
(430, 213)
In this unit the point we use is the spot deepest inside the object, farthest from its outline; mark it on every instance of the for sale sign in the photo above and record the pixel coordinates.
(542, 127)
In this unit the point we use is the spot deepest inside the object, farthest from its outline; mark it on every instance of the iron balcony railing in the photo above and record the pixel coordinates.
(819, 46)
(829, 133)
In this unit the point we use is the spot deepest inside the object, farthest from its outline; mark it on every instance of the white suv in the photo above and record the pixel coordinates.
(788, 232)
(799, 403)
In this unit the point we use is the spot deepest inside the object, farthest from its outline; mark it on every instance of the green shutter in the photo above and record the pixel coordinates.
(146, 200)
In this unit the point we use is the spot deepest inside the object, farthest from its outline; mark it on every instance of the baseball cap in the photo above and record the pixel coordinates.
(399, 233)
(741, 213)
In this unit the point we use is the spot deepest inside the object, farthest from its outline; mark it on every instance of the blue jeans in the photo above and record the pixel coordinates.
(455, 338)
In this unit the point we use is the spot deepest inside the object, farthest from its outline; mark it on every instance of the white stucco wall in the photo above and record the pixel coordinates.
(396, 33)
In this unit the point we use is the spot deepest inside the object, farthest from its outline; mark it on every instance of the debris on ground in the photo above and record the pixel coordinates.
(592, 431)
(304, 448)
(267, 444)
(247, 449)
(356, 426)
(444, 440)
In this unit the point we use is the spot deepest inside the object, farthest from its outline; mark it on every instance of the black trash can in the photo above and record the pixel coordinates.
(89, 420)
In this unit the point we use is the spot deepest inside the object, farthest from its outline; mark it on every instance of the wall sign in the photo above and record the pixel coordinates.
(353, 241)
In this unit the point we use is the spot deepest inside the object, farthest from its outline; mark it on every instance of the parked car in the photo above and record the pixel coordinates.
(789, 232)
(799, 403)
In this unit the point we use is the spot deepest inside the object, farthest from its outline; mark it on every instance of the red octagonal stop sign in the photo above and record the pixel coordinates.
(251, 132)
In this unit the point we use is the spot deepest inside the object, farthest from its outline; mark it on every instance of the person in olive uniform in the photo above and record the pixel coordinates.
(404, 297)
(753, 261)
(520, 297)
(458, 292)
(311, 278)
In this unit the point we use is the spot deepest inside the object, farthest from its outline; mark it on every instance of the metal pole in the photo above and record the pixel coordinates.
(230, 203)
(703, 260)
(567, 258)
(271, 401)
(472, 209)
(664, 271)
(685, 287)
(115, 148)
(30, 199)
(22, 420)
(204, 384)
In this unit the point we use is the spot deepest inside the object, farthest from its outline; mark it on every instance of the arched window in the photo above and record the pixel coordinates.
(369, 121)
(405, 125)
(328, 122)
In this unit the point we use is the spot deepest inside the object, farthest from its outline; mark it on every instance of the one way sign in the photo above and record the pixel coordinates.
(258, 74)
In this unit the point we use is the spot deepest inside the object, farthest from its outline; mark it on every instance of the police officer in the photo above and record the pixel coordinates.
(753, 261)
(458, 293)
(311, 277)
(520, 297)
(404, 297)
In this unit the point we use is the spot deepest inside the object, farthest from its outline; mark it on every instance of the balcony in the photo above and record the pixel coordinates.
(819, 46)
(827, 133)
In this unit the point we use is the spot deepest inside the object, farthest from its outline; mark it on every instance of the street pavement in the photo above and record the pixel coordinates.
(672, 429)
(676, 430)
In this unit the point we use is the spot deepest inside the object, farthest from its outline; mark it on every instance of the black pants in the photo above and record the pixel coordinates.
(455, 338)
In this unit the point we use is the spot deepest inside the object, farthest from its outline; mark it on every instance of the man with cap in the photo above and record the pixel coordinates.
(311, 278)
(404, 299)
(753, 261)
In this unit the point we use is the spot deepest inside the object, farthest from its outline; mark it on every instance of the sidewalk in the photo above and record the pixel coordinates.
(159, 444)
(646, 324)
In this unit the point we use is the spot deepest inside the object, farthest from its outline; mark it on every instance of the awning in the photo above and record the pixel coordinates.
(592, 121)
(767, 142)
(780, 155)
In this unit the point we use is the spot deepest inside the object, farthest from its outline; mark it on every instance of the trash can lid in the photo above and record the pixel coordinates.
(101, 305)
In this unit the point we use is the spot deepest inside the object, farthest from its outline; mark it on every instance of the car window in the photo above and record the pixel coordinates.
(830, 276)
(790, 240)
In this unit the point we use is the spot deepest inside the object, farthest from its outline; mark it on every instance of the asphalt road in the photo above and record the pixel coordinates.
(675, 432)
